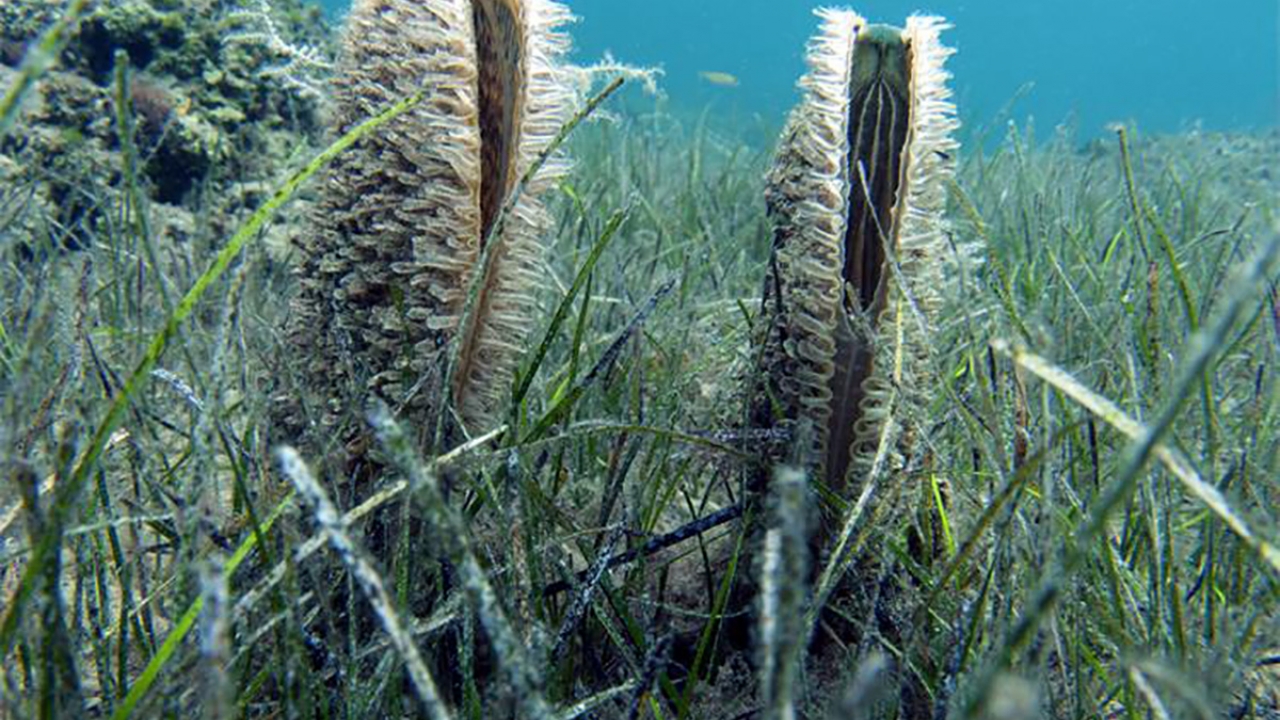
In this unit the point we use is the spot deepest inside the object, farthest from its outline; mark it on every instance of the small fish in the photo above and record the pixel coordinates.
(723, 79)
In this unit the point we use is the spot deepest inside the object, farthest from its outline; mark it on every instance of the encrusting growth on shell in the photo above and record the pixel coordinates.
(856, 195)
(403, 216)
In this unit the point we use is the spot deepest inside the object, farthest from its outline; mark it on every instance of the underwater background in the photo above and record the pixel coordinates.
(1166, 66)
(1073, 514)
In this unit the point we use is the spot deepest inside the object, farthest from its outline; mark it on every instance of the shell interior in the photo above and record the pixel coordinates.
(879, 122)
(878, 130)
(500, 61)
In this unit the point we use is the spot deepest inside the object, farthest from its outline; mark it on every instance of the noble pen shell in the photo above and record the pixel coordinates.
(395, 243)
(856, 196)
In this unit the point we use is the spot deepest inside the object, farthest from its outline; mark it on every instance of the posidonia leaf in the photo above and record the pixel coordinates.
(182, 628)
(1173, 461)
(85, 466)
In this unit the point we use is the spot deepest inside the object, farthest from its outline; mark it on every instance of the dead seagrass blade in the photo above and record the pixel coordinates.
(856, 196)
(398, 233)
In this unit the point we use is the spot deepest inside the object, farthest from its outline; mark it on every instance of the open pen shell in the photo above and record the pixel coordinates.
(856, 196)
(402, 219)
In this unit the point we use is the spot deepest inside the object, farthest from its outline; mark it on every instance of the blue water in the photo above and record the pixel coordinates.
(1166, 65)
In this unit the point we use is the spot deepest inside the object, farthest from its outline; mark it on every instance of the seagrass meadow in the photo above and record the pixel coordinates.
(1061, 500)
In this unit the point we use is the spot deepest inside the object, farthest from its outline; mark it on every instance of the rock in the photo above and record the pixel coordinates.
(206, 117)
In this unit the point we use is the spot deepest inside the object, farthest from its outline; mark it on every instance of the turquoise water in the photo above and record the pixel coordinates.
(1168, 66)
